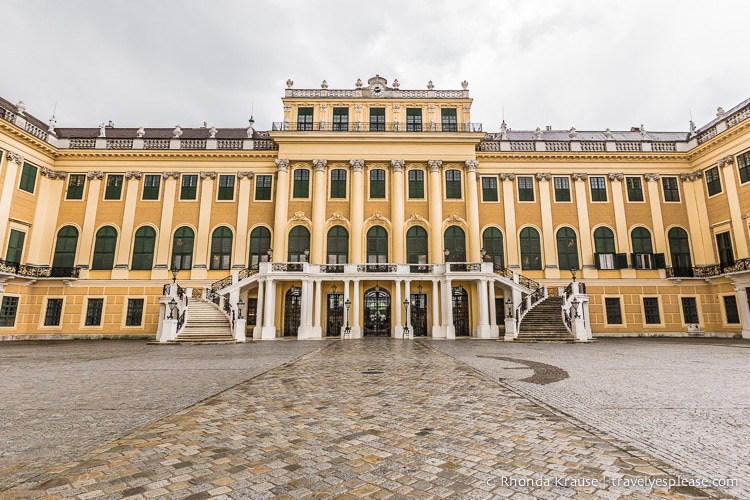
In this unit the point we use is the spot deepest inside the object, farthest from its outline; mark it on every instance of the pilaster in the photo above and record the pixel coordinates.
(435, 208)
(512, 260)
(162, 264)
(397, 210)
(43, 232)
(89, 220)
(240, 259)
(660, 240)
(472, 212)
(12, 162)
(126, 233)
(695, 203)
(587, 253)
(548, 232)
(203, 238)
(317, 249)
(738, 227)
(282, 210)
(357, 200)
(621, 223)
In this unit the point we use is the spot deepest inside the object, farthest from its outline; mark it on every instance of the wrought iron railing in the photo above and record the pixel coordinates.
(376, 268)
(349, 126)
(710, 270)
(332, 268)
(31, 271)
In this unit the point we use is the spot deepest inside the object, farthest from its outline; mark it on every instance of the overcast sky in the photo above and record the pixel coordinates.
(591, 64)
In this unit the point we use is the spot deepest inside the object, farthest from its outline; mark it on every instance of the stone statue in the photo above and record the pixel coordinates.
(102, 130)
(289, 83)
(395, 83)
(140, 132)
(465, 84)
(430, 86)
(212, 132)
(503, 131)
(177, 132)
(52, 125)
(21, 107)
(538, 133)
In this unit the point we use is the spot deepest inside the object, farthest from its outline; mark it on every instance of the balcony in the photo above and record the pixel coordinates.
(30, 271)
(376, 127)
(709, 271)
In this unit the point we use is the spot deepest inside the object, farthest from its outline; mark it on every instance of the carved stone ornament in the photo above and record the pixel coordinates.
(15, 158)
(691, 177)
(324, 84)
(320, 165)
(20, 107)
(538, 133)
(430, 85)
(417, 218)
(95, 175)
(377, 216)
(455, 218)
(397, 165)
(282, 164)
(608, 134)
(338, 217)
(465, 85)
(289, 83)
(579, 177)
(212, 132)
(359, 83)
(435, 165)
(431, 108)
(140, 132)
(395, 83)
(727, 160)
(243, 175)
(573, 133)
(133, 174)
(299, 216)
(357, 164)
(471, 165)
(52, 174)
(651, 177)
(358, 108)
(616, 176)
(167, 175)
(177, 132)
(543, 176)
(507, 177)
(210, 175)
(396, 108)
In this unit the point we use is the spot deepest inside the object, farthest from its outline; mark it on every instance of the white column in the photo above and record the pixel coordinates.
(483, 328)
(435, 210)
(269, 329)
(397, 210)
(282, 210)
(356, 328)
(398, 329)
(472, 212)
(259, 312)
(357, 204)
(437, 331)
(317, 250)
(494, 330)
(407, 296)
(317, 329)
(450, 329)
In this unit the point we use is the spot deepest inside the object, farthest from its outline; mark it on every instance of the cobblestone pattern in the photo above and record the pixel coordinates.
(685, 402)
(77, 395)
(374, 418)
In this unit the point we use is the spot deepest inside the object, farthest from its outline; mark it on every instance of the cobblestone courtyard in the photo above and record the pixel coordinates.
(374, 418)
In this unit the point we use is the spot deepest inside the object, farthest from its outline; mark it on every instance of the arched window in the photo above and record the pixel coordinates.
(104, 249)
(221, 248)
(492, 240)
(604, 249)
(338, 245)
(260, 242)
(679, 248)
(65, 247)
(143, 248)
(416, 246)
(567, 249)
(531, 250)
(299, 240)
(455, 241)
(377, 245)
(182, 248)
(642, 249)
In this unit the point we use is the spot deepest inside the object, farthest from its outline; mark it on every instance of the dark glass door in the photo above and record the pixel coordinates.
(461, 311)
(377, 313)
(419, 314)
(292, 308)
(335, 315)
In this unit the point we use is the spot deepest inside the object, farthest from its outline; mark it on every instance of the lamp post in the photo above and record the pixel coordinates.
(573, 272)
(574, 303)
(509, 305)
(307, 255)
(406, 319)
(240, 305)
(347, 328)
(172, 305)
(174, 274)
(269, 252)
(419, 289)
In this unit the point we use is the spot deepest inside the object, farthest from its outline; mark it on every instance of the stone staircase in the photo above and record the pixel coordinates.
(544, 323)
(205, 325)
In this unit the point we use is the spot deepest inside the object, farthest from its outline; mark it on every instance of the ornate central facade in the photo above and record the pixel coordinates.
(373, 211)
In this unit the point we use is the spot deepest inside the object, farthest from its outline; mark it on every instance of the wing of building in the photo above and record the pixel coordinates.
(373, 210)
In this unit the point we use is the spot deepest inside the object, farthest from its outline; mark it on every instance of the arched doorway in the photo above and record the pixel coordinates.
(418, 314)
(460, 311)
(377, 313)
(292, 308)
(335, 314)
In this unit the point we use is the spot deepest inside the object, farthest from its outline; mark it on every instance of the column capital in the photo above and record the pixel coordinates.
(543, 176)
(579, 176)
(727, 160)
(95, 175)
(211, 175)
(320, 165)
(397, 165)
(357, 164)
(53, 174)
(471, 165)
(133, 175)
(691, 177)
(508, 177)
(435, 165)
(15, 157)
(282, 164)
(245, 175)
(651, 177)
(174, 175)
(616, 176)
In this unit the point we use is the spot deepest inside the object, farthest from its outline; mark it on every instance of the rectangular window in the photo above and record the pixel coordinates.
(134, 316)
(671, 191)
(413, 119)
(94, 312)
(263, 187)
(304, 119)
(525, 189)
(743, 164)
(54, 312)
(113, 190)
(76, 182)
(713, 181)
(724, 246)
(189, 187)
(730, 308)
(642, 260)
(612, 307)
(226, 187)
(377, 183)
(341, 119)
(252, 311)
(28, 178)
(453, 184)
(449, 120)
(338, 183)
(377, 119)
(489, 189)
(606, 260)
(651, 310)
(635, 188)
(416, 184)
(562, 188)
(15, 247)
(151, 185)
(689, 310)
(8, 310)
(301, 187)
(598, 188)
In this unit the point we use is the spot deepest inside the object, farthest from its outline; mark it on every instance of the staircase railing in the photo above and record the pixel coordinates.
(181, 298)
(222, 304)
(529, 301)
(569, 293)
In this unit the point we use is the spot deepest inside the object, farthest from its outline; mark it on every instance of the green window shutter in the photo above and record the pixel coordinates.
(660, 262)
(15, 246)
(621, 260)
(28, 178)
(596, 261)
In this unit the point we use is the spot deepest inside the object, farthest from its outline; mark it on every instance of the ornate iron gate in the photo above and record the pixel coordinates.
(292, 308)
(335, 315)
(377, 313)
(419, 314)
(460, 311)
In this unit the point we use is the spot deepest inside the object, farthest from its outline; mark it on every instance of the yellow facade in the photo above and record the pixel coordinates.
(375, 183)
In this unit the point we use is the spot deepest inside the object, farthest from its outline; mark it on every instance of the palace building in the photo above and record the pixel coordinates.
(373, 211)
